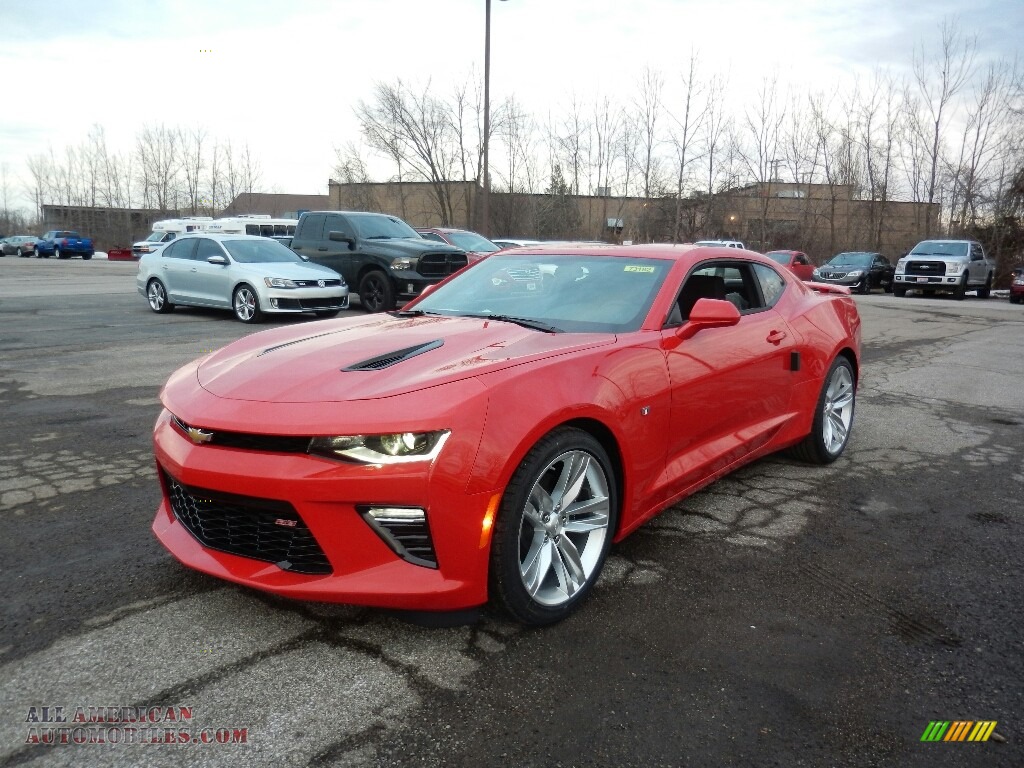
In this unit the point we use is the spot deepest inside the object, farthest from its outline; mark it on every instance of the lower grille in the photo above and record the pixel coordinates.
(334, 302)
(261, 529)
(441, 264)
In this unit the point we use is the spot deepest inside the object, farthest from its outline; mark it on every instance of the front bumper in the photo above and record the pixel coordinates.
(849, 282)
(945, 282)
(285, 300)
(326, 496)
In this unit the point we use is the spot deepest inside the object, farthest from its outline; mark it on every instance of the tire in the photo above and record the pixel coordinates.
(22, 254)
(246, 304)
(961, 289)
(833, 416)
(376, 293)
(888, 287)
(156, 295)
(901, 292)
(986, 290)
(865, 285)
(544, 564)
(1015, 299)
(57, 254)
(86, 256)
(325, 313)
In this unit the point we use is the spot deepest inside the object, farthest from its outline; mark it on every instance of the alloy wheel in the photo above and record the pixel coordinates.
(838, 410)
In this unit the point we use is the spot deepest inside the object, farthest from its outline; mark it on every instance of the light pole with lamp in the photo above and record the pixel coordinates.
(485, 206)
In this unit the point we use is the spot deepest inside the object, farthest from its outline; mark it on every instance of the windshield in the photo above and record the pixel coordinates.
(939, 248)
(377, 226)
(584, 294)
(471, 241)
(855, 259)
(261, 251)
(780, 257)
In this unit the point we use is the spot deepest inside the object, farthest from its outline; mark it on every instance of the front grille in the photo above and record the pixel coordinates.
(252, 442)
(261, 529)
(926, 268)
(441, 264)
(316, 283)
(833, 275)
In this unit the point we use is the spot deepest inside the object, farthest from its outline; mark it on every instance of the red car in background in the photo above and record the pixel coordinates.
(1017, 286)
(484, 443)
(797, 262)
(475, 245)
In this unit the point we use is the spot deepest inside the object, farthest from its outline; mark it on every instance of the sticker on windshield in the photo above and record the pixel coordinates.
(635, 268)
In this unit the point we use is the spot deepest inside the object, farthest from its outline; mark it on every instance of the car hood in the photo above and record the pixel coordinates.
(290, 270)
(408, 246)
(377, 356)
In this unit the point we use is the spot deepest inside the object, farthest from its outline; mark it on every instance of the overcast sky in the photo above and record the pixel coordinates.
(284, 75)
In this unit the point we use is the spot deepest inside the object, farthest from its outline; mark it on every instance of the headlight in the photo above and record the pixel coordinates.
(279, 282)
(855, 273)
(381, 449)
(954, 267)
(404, 263)
(901, 266)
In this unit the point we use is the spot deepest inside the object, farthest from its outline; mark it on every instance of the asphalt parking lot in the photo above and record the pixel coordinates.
(788, 615)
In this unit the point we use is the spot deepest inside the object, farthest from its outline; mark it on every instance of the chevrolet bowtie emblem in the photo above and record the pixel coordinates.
(199, 436)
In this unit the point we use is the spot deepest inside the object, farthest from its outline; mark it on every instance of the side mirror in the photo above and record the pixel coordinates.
(218, 260)
(709, 313)
(341, 237)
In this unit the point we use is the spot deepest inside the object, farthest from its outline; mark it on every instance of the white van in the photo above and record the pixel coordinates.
(168, 229)
(254, 224)
(722, 243)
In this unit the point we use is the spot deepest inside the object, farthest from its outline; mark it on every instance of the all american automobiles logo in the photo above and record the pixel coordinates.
(199, 436)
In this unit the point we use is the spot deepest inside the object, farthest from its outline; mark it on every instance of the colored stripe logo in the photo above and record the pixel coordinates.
(958, 730)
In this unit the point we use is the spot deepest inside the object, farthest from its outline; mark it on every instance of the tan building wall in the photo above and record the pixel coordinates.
(817, 219)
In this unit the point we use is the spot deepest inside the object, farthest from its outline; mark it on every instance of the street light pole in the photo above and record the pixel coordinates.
(485, 202)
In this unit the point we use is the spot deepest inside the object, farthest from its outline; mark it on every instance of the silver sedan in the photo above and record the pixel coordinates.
(248, 275)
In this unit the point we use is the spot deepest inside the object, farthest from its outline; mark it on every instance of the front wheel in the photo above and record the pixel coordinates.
(961, 289)
(833, 416)
(246, 304)
(865, 285)
(554, 528)
(156, 295)
(899, 291)
(376, 293)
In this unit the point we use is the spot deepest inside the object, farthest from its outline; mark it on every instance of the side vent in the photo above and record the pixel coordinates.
(392, 358)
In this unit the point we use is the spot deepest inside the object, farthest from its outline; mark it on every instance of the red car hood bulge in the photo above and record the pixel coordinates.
(378, 356)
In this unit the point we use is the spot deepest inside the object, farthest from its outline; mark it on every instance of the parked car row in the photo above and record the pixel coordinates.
(59, 243)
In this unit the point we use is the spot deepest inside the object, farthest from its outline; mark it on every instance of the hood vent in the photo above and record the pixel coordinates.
(392, 358)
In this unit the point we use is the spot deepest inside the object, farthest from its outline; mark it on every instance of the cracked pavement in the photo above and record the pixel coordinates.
(785, 615)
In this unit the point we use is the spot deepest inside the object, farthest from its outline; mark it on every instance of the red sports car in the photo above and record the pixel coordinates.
(490, 444)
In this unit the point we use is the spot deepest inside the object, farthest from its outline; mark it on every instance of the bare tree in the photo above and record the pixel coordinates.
(193, 164)
(760, 147)
(939, 79)
(686, 122)
(158, 153)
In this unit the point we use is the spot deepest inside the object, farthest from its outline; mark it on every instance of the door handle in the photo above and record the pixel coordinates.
(776, 337)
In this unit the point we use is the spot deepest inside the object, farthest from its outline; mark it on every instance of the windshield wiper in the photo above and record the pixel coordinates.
(380, 237)
(525, 322)
(410, 313)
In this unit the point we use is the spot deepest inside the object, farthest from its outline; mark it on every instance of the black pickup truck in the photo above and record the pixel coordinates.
(380, 256)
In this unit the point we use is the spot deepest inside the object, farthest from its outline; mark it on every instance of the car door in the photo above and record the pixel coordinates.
(730, 386)
(211, 284)
(881, 271)
(801, 266)
(978, 269)
(175, 268)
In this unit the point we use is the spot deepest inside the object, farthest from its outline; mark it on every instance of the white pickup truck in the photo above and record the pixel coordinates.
(956, 266)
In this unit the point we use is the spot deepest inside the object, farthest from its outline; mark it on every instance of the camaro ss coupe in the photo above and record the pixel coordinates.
(491, 440)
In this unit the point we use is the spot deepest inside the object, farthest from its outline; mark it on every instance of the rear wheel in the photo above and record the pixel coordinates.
(985, 291)
(833, 416)
(56, 253)
(86, 256)
(554, 528)
(246, 304)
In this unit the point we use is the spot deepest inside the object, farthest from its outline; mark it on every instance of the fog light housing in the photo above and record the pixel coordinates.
(273, 303)
(404, 530)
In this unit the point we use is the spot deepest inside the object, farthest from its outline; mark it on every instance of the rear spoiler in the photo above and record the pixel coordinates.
(836, 290)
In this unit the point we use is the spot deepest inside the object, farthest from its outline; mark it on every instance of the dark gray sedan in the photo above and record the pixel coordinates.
(246, 274)
(859, 270)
